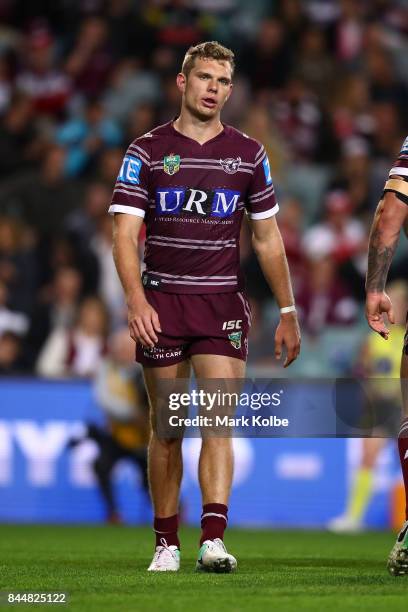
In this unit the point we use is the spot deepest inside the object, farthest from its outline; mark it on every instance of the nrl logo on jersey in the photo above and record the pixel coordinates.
(230, 165)
(171, 164)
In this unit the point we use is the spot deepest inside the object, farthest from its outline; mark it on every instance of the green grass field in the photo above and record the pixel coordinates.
(104, 568)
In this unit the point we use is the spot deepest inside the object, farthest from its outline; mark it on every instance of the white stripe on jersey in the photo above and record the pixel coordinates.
(246, 308)
(201, 161)
(131, 187)
(132, 193)
(267, 195)
(170, 239)
(192, 246)
(198, 278)
(186, 166)
(261, 150)
(260, 193)
(179, 282)
(140, 152)
(260, 160)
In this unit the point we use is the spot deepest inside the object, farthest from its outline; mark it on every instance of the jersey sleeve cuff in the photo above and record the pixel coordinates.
(265, 214)
(128, 210)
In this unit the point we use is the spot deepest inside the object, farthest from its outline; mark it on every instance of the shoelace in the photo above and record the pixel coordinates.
(165, 546)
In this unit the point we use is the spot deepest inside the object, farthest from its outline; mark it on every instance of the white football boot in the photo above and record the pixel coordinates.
(165, 559)
(213, 557)
(345, 524)
(398, 558)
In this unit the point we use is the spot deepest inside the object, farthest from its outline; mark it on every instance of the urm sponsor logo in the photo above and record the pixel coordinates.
(197, 202)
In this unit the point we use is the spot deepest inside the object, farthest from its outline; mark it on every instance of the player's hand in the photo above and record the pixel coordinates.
(376, 305)
(143, 322)
(288, 335)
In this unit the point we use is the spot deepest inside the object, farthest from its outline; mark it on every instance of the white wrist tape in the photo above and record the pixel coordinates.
(288, 309)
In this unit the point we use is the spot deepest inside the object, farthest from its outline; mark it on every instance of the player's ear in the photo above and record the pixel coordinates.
(181, 82)
(230, 92)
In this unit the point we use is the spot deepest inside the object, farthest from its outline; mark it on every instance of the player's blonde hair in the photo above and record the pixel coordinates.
(208, 50)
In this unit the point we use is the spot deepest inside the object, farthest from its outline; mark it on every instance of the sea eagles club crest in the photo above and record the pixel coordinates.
(230, 165)
(235, 339)
(171, 164)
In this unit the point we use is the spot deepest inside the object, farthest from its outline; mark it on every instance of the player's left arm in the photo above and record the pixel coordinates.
(268, 245)
(389, 218)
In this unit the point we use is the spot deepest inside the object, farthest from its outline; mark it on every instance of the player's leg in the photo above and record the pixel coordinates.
(215, 471)
(398, 558)
(103, 466)
(165, 470)
(361, 489)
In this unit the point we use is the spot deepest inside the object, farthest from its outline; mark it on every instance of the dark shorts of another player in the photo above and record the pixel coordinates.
(210, 324)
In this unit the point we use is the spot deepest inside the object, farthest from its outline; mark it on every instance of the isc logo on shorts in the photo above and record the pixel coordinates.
(235, 324)
(201, 203)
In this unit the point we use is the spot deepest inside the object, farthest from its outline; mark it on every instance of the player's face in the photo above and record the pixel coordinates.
(207, 87)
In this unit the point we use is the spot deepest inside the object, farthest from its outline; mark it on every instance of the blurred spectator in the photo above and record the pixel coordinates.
(109, 287)
(130, 87)
(121, 395)
(90, 60)
(20, 144)
(5, 84)
(322, 299)
(352, 112)
(350, 32)
(291, 222)
(10, 320)
(41, 79)
(259, 124)
(353, 176)
(42, 199)
(384, 83)
(304, 124)
(57, 310)
(79, 350)
(315, 65)
(84, 138)
(176, 23)
(82, 224)
(339, 235)
(18, 264)
(292, 13)
(268, 61)
(109, 165)
(140, 121)
(10, 354)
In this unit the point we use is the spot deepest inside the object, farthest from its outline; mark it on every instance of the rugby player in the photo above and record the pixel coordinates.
(190, 181)
(391, 215)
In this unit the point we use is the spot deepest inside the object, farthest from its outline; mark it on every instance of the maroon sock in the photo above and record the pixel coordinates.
(214, 519)
(166, 528)
(403, 453)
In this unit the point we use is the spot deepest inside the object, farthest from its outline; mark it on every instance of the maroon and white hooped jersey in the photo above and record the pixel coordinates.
(192, 198)
(400, 166)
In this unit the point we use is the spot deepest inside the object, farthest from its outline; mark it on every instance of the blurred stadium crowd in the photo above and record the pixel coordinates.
(322, 83)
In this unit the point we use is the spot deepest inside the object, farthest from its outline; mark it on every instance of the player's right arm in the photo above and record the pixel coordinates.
(390, 216)
(129, 205)
(143, 320)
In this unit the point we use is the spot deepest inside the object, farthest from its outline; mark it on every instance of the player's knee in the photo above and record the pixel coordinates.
(170, 444)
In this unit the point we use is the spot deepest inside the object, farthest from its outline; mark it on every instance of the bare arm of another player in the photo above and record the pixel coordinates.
(268, 246)
(389, 217)
(142, 318)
